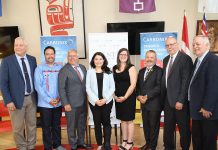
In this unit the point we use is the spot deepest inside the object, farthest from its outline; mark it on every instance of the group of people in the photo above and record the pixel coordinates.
(183, 90)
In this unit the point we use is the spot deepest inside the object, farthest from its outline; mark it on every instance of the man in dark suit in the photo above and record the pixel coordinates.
(17, 74)
(72, 91)
(203, 96)
(148, 93)
(175, 81)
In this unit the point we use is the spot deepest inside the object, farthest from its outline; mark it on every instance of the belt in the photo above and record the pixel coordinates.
(27, 95)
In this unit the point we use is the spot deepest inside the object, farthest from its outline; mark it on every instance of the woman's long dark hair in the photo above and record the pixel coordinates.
(128, 62)
(104, 67)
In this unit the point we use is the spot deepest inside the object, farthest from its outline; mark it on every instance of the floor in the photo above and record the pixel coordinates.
(6, 139)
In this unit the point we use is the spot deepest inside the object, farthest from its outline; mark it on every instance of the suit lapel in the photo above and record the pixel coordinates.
(200, 67)
(17, 66)
(31, 66)
(73, 72)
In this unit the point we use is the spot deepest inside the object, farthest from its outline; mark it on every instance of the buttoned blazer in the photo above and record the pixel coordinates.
(151, 87)
(178, 80)
(71, 89)
(204, 88)
(12, 80)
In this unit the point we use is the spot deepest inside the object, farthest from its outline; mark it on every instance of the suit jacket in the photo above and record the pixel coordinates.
(92, 86)
(204, 88)
(150, 87)
(71, 89)
(178, 80)
(12, 80)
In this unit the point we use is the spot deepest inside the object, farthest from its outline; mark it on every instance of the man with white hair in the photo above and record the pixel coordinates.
(17, 74)
(203, 96)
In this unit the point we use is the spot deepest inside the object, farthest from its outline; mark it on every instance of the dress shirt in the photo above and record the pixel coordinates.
(46, 84)
(28, 70)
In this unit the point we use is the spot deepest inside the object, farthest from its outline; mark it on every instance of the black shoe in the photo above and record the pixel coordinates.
(84, 146)
(144, 147)
(73, 148)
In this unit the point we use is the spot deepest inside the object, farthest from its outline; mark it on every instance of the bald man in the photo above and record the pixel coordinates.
(72, 91)
(177, 68)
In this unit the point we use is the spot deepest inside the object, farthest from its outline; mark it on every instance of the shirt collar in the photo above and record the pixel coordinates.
(174, 56)
(202, 57)
(18, 57)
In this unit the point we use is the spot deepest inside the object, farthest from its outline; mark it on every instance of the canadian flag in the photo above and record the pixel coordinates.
(185, 41)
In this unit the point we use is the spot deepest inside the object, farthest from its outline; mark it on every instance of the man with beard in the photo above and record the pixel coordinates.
(46, 85)
(148, 93)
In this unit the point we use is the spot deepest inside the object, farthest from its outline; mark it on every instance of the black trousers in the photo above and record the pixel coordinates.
(151, 126)
(204, 134)
(182, 118)
(101, 116)
(51, 130)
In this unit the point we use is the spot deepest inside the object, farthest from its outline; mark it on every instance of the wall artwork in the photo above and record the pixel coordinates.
(212, 29)
(63, 18)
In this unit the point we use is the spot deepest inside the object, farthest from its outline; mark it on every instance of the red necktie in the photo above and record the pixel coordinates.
(78, 73)
(170, 67)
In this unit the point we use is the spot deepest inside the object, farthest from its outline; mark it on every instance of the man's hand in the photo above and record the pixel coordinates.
(67, 107)
(11, 106)
(143, 99)
(205, 113)
(179, 106)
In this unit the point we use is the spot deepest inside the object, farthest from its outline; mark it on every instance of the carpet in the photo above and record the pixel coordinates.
(41, 147)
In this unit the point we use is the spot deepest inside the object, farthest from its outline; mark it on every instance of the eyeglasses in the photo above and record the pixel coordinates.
(171, 44)
(123, 54)
(72, 56)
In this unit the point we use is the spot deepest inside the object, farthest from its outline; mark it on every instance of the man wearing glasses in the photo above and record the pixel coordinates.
(177, 68)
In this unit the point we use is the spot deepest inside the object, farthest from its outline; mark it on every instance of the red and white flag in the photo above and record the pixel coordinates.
(185, 41)
(204, 26)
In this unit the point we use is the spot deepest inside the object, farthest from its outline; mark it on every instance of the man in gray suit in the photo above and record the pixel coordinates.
(72, 91)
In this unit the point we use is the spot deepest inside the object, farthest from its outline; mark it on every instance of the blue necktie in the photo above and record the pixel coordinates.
(26, 75)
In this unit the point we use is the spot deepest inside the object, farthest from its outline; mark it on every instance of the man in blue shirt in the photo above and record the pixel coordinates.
(46, 85)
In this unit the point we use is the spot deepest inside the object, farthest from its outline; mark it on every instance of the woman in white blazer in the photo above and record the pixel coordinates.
(100, 88)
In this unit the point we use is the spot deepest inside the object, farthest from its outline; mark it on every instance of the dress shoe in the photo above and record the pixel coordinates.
(144, 147)
(84, 146)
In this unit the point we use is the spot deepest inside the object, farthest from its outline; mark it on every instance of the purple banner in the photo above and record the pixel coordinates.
(0, 7)
(137, 6)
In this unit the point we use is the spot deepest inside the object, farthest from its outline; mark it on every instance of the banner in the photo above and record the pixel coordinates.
(0, 7)
(137, 6)
(185, 41)
(62, 45)
(154, 41)
(109, 44)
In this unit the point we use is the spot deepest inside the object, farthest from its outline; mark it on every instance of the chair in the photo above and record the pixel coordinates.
(5, 122)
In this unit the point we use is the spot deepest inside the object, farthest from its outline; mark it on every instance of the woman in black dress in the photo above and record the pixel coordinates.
(100, 89)
(125, 76)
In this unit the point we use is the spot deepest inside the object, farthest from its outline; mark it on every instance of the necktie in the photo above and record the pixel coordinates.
(170, 67)
(26, 75)
(146, 75)
(78, 73)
